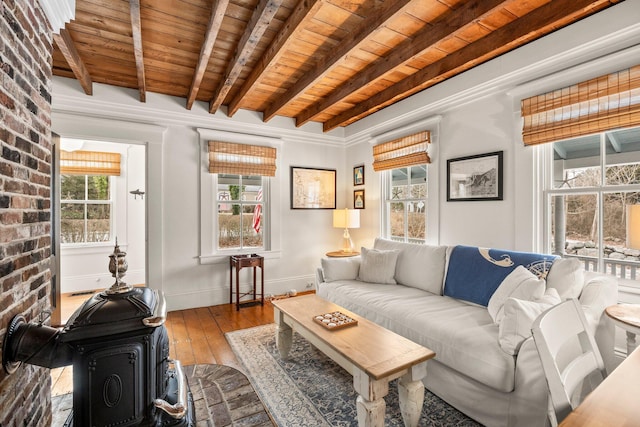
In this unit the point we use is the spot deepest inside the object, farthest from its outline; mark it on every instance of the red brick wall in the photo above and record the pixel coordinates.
(25, 226)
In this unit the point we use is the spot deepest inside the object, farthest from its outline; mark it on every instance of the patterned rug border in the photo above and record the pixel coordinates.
(310, 390)
(292, 409)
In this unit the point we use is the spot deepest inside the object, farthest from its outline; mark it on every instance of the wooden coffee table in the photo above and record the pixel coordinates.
(372, 354)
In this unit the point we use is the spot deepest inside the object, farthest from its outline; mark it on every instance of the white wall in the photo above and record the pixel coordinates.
(170, 133)
(479, 114)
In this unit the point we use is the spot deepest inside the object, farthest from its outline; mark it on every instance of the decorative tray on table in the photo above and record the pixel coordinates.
(334, 320)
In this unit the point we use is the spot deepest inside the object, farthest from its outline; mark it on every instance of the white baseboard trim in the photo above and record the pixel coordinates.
(220, 294)
(90, 282)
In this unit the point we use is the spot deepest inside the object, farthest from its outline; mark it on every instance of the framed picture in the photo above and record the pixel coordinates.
(475, 178)
(358, 175)
(358, 199)
(313, 188)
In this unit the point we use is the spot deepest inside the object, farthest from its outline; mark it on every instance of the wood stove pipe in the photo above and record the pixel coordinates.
(33, 343)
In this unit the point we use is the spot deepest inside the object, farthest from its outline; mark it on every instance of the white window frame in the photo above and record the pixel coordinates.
(432, 210)
(387, 200)
(209, 252)
(266, 218)
(599, 191)
(85, 202)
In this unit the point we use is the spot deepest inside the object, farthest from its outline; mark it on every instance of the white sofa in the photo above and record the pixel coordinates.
(472, 371)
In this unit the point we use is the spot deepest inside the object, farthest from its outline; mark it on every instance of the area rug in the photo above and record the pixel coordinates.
(310, 390)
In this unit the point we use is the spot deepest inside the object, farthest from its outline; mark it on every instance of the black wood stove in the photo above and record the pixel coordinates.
(119, 348)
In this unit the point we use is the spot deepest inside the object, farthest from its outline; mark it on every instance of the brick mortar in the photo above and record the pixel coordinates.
(25, 226)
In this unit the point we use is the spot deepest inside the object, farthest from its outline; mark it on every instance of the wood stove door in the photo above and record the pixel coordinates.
(110, 387)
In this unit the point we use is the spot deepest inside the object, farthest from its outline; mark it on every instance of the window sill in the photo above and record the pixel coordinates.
(223, 257)
(88, 248)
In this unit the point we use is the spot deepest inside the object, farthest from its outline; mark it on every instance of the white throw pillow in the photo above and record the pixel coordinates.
(378, 266)
(521, 284)
(519, 315)
(340, 268)
(567, 277)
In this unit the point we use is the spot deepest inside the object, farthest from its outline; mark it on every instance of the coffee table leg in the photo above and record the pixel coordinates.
(370, 404)
(411, 394)
(284, 334)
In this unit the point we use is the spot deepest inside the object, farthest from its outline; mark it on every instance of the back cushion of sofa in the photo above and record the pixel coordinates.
(418, 266)
(473, 273)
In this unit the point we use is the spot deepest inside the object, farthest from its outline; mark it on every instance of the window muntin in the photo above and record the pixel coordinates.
(86, 209)
(405, 204)
(596, 179)
(240, 212)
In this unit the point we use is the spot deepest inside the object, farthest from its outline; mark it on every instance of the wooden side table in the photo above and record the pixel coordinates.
(340, 254)
(238, 262)
(627, 317)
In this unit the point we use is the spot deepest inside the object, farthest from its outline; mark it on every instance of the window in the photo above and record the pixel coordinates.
(86, 209)
(592, 201)
(405, 203)
(241, 207)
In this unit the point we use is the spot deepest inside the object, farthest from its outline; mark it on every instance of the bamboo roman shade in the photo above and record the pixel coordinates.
(241, 159)
(89, 163)
(402, 152)
(597, 105)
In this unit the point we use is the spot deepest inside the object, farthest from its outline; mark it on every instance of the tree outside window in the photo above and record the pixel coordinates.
(85, 209)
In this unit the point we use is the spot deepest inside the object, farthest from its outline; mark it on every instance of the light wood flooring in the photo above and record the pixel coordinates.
(196, 336)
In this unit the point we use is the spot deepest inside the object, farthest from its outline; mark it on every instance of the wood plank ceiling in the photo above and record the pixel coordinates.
(329, 61)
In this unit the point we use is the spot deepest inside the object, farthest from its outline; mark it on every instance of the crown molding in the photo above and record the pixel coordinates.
(114, 103)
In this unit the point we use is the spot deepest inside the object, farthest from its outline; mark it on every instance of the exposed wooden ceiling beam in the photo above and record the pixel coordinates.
(68, 49)
(215, 22)
(497, 42)
(420, 42)
(136, 33)
(366, 28)
(262, 15)
(303, 9)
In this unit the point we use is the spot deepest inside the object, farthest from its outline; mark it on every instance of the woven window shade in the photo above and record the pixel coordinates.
(89, 163)
(402, 152)
(597, 105)
(241, 159)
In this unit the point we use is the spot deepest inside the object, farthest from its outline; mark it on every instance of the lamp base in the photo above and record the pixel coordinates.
(347, 243)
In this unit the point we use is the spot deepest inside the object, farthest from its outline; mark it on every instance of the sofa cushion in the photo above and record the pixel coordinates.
(463, 336)
(418, 266)
(567, 277)
(340, 268)
(378, 266)
(515, 326)
(521, 284)
(466, 265)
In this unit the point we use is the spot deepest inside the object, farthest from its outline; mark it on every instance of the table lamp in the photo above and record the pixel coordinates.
(346, 218)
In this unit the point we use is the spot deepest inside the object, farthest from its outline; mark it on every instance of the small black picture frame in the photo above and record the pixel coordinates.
(475, 178)
(358, 175)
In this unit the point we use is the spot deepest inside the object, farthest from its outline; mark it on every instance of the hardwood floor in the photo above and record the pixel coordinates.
(196, 336)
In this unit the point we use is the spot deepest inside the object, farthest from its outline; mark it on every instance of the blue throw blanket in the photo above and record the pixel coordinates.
(475, 273)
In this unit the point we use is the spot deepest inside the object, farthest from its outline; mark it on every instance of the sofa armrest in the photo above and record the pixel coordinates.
(530, 388)
(319, 278)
